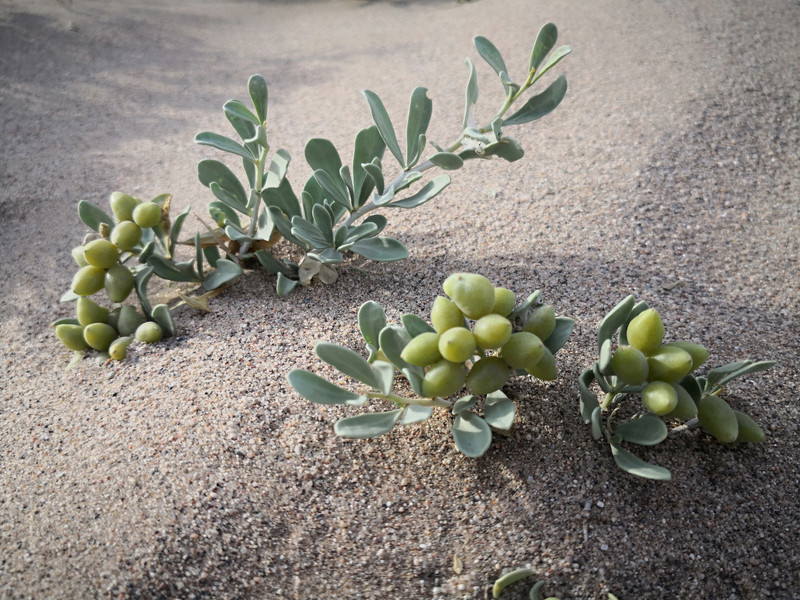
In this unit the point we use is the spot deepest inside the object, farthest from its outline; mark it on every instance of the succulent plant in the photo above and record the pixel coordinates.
(641, 364)
(436, 361)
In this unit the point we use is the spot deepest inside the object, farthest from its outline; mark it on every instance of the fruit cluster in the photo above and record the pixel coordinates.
(500, 342)
(661, 368)
(101, 260)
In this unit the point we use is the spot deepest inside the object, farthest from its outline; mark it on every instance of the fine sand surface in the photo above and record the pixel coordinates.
(192, 470)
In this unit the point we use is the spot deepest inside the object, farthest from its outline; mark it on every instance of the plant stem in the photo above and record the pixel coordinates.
(251, 230)
(403, 401)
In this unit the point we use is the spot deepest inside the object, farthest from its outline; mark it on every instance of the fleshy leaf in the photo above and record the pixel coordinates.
(308, 232)
(462, 404)
(614, 320)
(588, 400)
(647, 430)
(636, 466)
(560, 335)
(384, 375)
(380, 249)
(374, 171)
(751, 367)
(429, 191)
(541, 104)
(471, 434)
(605, 358)
(272, 264)
(348, 362)
(415, 325)
(545, 41)
(368, 147)
(371, 321)
(367, 425)
(419, 117)
(449, 161)
(596, 421)
(162, 315)
(214, 171)
(499, 411)
(257, 87)
(92, 215)
(490, 54)
(553, 60)
(638, 308)
(334, 187)
(141, 279)
(226, 272)
(471, 96)
(285, 285)
(226, 144)
(320, 391)
(236, 108)
(277, 169)
(384, 124)
(415, 413)
(167, 269)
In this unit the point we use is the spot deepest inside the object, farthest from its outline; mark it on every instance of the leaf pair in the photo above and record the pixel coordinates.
(419, 115)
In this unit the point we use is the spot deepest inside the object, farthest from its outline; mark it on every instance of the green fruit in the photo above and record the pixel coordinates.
(101, 253)
(149, 332)
(89, 312)
(492, 331)
(457, 344)
(545, 368)
(443, 379)
(77, 255)
(71, 336)
(630, 365)
(99, 336)
(488, 375)
(126, 235)
(119, 282)
(423, 350)
(504, 301)
(541, 322)
(472, 293)
(522, 350)
(698, 353)
(749, 431)
(445, 314)
(645, 331)
(118, 349)
(669, 363)
(659, 397)
(147, 214)
(686, 408)
(129, 320)
(122, 206)
(88, 280)
(718, 418)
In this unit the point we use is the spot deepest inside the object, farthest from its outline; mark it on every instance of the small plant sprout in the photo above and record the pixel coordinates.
(535, 593)
(477, 339)
(335, 214)
(641, 365)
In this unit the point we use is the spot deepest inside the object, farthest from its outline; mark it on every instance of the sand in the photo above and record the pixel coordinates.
(192, 470)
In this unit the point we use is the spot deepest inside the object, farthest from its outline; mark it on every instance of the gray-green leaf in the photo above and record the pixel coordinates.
(384, 124)
(545, 41)
(499, 411)
(226, 272)
(226, 144)
(415, 413)
(429, 191)
(614, 320)
(449, 161)
(320, 391)
(210, 170)
(541, 104)
(92, 215)
(371, 321)
(560, 335)
(367, 425)
(419, 116)
(348, 362)
(471, 96)
(647, 430)
(471, 434)
(380, 249)
(257, 87)
(636, 466)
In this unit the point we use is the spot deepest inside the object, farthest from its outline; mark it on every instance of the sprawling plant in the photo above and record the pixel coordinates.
(535, 593)
(641, 374)
(335, 213)
(477, 339)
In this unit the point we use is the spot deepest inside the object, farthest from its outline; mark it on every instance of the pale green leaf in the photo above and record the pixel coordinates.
(545, 41)
(367, 425)
(636, 466)
(226, 272)
(380, 249)
(384, 124)
(471, 434)
(541, 104)
(348, 362)
(320, 391)
(499, 411)
(647, 430)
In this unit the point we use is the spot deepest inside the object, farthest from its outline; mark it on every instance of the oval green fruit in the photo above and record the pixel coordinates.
(147, 214)
(126, 235)
(422, 350)
(669, 363)
(686, 408)
(545, 368)
(78, 257)
(88, 280)
(88, 312)
(71, 336)
(659, 397)
(445, 314)
(119, 283)
(472, 293)
(129, 320)
(504, 301)
(149, 332)
(457, 344)
(443, 379)
(488, 375)
(99, 336)
(718, 418)
(101, 253)
(522, 350)
(122, 205)
(646, 331)
(749, 431)
(698, 353)
(541, 322)
(492, 331)
(118, 349)
(630, 365)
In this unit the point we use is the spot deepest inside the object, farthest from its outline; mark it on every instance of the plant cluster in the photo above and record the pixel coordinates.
(477, 338)
(535, 593)
(660, 374)
(114, 258)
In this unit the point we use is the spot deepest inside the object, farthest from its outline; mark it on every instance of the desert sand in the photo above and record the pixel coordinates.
(193, 470)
